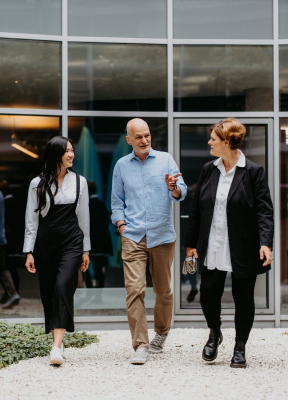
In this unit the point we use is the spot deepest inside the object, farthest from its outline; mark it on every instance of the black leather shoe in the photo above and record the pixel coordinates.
(210, 350)
(238, 360)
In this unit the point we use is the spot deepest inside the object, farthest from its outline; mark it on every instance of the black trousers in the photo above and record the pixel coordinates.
(58, 277)
(211, 291)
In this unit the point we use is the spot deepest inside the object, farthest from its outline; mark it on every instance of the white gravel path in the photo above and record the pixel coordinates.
(101, 371)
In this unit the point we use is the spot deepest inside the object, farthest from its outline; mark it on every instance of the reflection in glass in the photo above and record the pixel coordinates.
(30, 74)
(117, 18)
(223, 19)
(117, 77)
(283, 77)
(283, 18)
(99, 143)
(18, 166)
(34, 16)
(284, 213)
(195, 152)
(223, 78)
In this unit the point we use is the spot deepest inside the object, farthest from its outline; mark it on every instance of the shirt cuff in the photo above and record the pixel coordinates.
(28, 245)
(86, 243)
(117, 216)
(173, 198)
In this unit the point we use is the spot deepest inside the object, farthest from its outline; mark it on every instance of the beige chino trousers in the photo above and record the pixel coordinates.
(135, 256)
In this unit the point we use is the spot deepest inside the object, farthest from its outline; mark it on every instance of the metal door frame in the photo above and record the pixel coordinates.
(270, 174)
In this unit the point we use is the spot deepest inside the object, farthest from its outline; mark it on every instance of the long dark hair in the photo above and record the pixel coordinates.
(54, 152)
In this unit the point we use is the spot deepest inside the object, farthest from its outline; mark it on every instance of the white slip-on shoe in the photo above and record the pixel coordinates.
(56, 356)
(140, 356)
(61, 349)
(157, 344)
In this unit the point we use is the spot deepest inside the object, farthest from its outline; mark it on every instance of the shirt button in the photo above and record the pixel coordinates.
(143, 174)
(145, 196)
(146, 207)
(147, 219)
(147, 229)
(144, 185)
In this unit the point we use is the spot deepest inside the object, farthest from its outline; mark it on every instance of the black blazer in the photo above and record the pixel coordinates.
(249, 217)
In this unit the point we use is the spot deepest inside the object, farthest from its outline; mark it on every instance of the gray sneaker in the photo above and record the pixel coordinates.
(11, 301)
(140, 357)
(157, 344)
(61, 350)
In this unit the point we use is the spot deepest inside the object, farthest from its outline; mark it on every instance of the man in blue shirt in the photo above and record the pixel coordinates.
(144, 185)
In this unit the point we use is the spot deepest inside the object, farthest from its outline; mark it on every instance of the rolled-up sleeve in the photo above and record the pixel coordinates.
(83, 214)
(117, 197)
(31, 218)
(173, 170)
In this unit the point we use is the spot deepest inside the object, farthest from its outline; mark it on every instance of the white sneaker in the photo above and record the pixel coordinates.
(157, 344)
(56, 356)
(61, 349)
(140, 357)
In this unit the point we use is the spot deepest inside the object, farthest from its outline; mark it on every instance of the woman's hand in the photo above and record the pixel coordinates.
(85, 262)
(30, 265)
(265, 251)
(191, 252)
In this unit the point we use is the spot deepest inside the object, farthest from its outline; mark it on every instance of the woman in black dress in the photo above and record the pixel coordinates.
(57, 238)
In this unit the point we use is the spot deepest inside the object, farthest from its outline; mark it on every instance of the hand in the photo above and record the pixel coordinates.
(265, 251)
(121, 230)
(85, 263)
(30, 265)
(171, 181)
(191, 252)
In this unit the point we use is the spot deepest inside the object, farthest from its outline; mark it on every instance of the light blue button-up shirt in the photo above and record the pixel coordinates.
(141, 198)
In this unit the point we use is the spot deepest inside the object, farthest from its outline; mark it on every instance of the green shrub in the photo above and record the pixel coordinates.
(23, 341)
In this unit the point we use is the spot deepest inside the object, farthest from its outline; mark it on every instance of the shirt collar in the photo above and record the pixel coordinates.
(240, 163)
(152, 153)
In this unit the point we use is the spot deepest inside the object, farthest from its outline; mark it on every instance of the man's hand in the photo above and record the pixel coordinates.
(265, 251)
(30, 265)
(85, 262)
(122, 227)
(171, 181)
(191, 252)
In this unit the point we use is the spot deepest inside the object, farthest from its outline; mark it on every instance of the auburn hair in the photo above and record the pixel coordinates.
(230, 129)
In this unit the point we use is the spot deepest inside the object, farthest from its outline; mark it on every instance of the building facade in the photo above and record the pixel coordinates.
(83, 68)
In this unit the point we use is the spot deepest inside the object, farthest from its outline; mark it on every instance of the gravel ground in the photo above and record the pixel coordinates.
(101, 371)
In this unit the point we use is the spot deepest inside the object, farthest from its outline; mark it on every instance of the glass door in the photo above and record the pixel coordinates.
(192, 152)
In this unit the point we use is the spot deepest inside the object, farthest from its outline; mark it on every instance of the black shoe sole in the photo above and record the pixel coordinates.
(238, 365)
(214, 358)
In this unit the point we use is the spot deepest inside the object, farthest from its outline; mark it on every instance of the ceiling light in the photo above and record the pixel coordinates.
(28, 152)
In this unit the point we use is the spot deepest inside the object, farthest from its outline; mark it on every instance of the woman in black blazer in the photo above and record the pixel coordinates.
(232, 222)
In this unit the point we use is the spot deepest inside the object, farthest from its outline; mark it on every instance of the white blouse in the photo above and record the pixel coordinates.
(218, 252)
(65, 195)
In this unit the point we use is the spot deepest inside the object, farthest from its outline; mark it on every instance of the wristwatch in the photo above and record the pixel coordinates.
(175, 188)
(120, 226)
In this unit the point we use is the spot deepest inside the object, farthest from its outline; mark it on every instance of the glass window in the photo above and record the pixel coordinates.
(117, 18)
(283, 18)
(284, 213)
(223, 78)
(22, 143)
(223, 19)
(283, 77)
(194, 153)
(31, 16)
(99, 143)
(117, 77)
(30, 74)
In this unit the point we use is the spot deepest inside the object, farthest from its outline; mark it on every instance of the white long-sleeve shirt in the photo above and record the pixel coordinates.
(218, 252)
(65, 195)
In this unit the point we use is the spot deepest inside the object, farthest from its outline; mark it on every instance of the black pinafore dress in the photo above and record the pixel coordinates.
(58, 255)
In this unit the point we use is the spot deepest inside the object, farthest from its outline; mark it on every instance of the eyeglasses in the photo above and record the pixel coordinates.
(220, 123)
